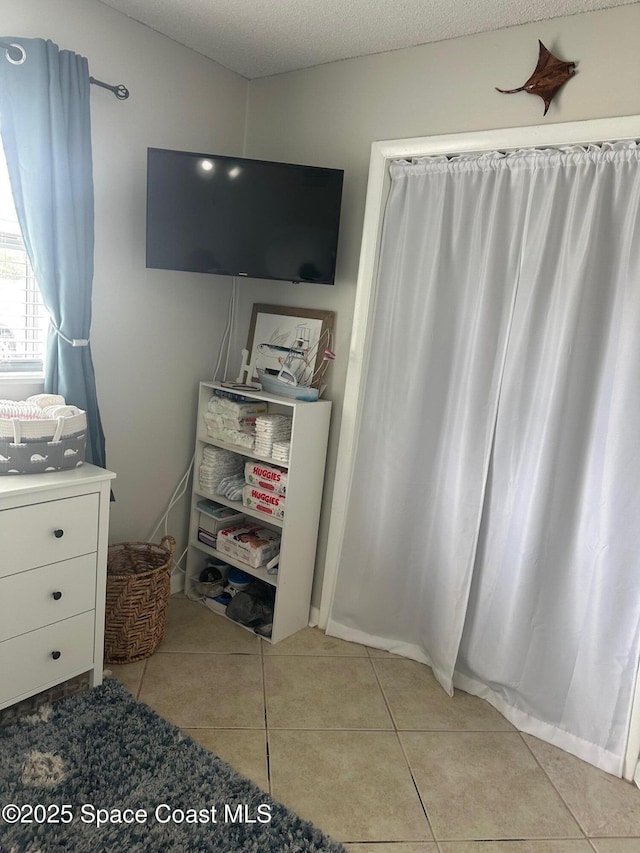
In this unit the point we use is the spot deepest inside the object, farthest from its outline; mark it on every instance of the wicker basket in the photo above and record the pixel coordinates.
(138, 588)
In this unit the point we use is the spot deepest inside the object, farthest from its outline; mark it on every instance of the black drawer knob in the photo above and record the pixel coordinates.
(58, 533)
(56, 595)
(55, 655)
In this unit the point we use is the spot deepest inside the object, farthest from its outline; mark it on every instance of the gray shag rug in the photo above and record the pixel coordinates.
(102, 773)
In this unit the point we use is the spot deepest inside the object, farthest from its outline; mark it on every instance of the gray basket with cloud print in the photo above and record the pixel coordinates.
(36, 446)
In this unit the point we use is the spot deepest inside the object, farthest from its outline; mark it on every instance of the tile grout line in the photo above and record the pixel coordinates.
(400, 744)
(315, 654)
(211, 652)
(266, 652)
(384, 696)
(554, 786)
(465, 731)
(266, 718)
(415, 785)
(142, 675)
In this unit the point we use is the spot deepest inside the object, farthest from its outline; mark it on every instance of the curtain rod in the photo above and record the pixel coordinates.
(120, 90)
(16, 54)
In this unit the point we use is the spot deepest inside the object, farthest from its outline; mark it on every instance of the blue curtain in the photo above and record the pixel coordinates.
(46, 133)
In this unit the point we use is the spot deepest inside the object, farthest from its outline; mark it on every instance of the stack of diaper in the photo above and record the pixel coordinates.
(232, 420)
(270, 428)
(280, 451)
(217, 465)
(41, 433)
(249, 543)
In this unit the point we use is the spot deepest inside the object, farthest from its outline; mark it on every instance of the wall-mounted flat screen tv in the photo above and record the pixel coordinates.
(233, 216)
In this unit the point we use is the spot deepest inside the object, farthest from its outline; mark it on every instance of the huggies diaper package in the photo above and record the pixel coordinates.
(267, 477)
(270, 503)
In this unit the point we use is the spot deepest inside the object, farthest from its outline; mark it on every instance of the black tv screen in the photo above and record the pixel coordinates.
(233, 216)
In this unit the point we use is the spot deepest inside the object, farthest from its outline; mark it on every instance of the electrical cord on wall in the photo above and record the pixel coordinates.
(227, 334)
(181, 488)
(178, 493)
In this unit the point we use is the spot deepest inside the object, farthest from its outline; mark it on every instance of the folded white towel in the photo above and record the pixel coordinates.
(43, 400)
(61, 411)
(20, 409)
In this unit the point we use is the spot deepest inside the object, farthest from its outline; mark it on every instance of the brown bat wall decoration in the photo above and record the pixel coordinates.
(551, 73)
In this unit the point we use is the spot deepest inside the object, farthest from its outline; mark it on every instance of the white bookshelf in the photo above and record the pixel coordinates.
(298, 528)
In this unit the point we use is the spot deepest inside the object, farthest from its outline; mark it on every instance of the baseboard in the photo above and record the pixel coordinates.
(314, 617)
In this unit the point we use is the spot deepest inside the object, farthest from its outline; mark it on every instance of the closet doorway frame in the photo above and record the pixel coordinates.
(589, 131)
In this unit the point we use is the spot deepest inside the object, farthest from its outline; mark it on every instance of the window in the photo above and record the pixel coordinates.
(23, 318)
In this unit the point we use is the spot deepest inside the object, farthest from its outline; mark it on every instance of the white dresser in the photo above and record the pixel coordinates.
(53, 555)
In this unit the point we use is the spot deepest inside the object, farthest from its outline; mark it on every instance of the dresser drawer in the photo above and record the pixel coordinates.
(47, 532)
(27, 663)
(39, 597)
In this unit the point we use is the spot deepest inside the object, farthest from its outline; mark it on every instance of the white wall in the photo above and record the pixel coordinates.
(155, 334)
(331, 114)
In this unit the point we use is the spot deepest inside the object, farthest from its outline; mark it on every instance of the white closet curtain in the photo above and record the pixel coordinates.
(492, 527)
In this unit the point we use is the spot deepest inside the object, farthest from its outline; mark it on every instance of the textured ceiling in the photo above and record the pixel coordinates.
(257, 38)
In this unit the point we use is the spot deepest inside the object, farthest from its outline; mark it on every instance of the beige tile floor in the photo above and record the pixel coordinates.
(368, 747)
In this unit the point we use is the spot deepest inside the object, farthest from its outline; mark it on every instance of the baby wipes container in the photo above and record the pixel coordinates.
(237, 580)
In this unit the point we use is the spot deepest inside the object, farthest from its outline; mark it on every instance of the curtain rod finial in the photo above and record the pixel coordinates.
(120, 91)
